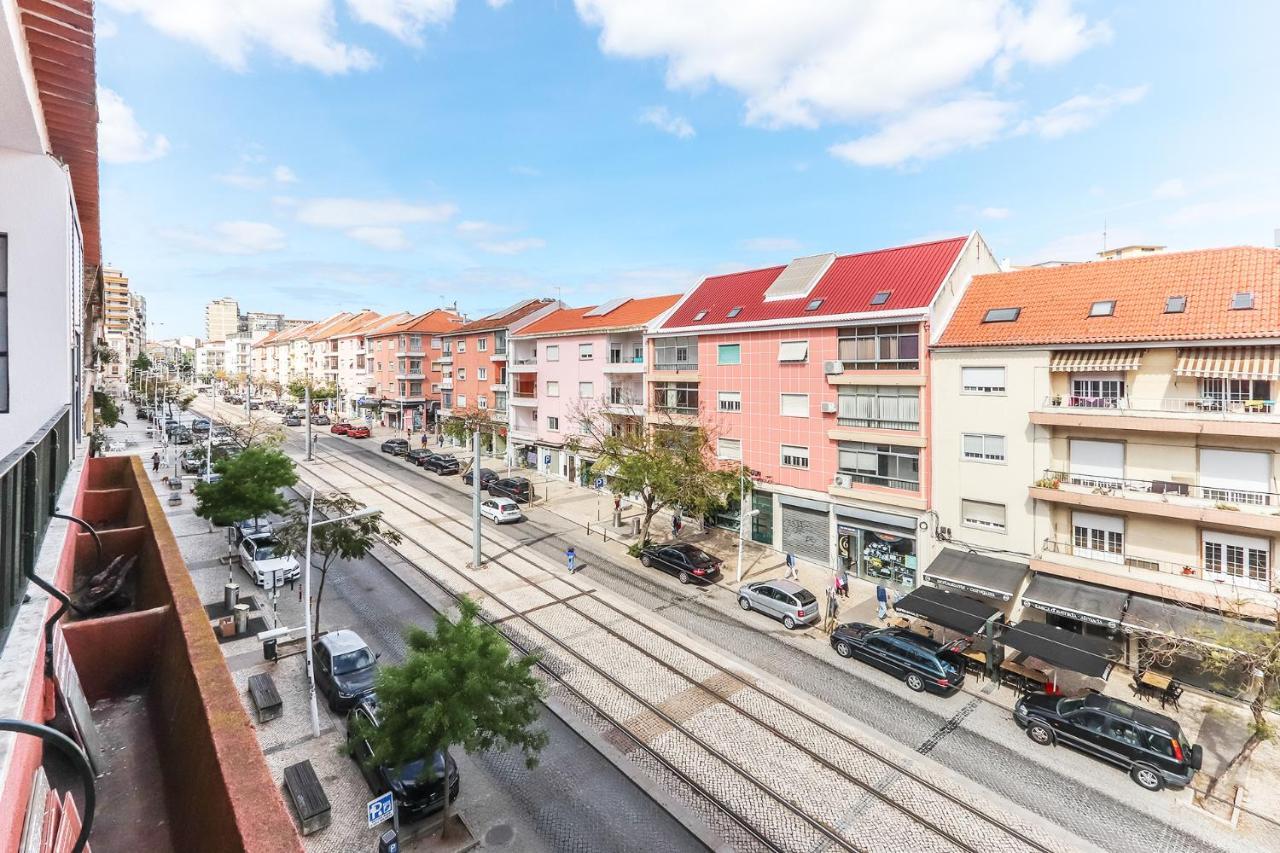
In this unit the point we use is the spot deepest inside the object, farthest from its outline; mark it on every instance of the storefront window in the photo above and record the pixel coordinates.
(879, 557)
(762, 521)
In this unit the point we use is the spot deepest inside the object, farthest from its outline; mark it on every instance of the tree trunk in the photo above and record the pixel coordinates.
(649, 512)
(315, 619)
(448, 806)
(1261, 731)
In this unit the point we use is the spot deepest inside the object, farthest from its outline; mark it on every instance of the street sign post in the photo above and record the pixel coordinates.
(380, 809)
(599, 482)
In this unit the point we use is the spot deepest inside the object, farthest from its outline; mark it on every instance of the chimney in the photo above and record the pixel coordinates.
(1277, 240)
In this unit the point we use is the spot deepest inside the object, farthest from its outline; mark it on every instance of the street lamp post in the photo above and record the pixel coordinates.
(743, 515)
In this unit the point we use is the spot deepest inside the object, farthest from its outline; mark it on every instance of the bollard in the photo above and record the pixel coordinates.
(230, 596)
(617, 518)
(388, 842)
(242, 618)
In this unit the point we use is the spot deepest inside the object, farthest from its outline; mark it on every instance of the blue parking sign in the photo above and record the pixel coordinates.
(380, 809)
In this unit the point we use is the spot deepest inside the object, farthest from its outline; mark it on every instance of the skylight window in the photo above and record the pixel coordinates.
(1175, 305)
(1105, 308)
(734, 312)
(814, 305)
(699, 316)
(1241, 301)
(1001, 315)
(881, 297)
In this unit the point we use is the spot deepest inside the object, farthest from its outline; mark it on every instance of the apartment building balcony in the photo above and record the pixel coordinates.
(1201, 415)
(878, 430)
(625, 356)
(673, 371)
(498, 355)
(446, 357)
(446, 382)
(864, 486)
(524, 397)
(498, 386)
(410, 374)
(1226, 507)
(524, 364)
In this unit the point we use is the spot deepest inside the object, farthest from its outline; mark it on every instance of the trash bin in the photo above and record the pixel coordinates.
(269, 649)
(242, 618)
(388, 842)
(635, 526)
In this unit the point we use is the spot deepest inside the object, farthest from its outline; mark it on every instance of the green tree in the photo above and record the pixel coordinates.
(349, 539)
(457, 686)
(142, 363)
(108, 413)
(298, 390)
(249, 486)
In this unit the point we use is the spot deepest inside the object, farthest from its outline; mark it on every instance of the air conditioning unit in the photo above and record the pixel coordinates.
(833, 368)
(844, 481)
(829, 408)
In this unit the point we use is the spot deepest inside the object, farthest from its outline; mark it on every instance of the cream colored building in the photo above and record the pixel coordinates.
(221, 318)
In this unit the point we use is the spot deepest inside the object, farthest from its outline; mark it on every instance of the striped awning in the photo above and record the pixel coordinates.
(1096, 361)
(1229, 362)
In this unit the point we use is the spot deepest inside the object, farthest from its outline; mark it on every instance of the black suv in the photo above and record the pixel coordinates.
(1150, 746)
(518, 489)
(486, 477)
(919, 661)
(395, 446)
(684, 561)
(441, 464)
(344, 668)
(417, 455)
(418, 786)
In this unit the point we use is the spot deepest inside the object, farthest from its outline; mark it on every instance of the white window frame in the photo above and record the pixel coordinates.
(969, 518)
(482, 402)
(986, 453)
(720, 350)
(462, 345)
(1237, 560)
(462, 374)
(1107, 531)
(985, 384)
(462, 401)
(721, 450)
(553, 423)
(782, 405)
(793, 352)
(552, 352)
(733, 398)
(782, 456)
(482, 374)
(482, 345)
(586, 352)
(589, 388)
(553, 388)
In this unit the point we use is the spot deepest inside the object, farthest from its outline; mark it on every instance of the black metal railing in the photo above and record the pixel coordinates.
(30, 479)
(1121, 486)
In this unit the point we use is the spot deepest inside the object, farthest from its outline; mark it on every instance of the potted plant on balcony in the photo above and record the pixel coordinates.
(1048, 483)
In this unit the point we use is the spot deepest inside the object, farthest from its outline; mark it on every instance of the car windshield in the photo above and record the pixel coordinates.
(1069, 706)
(350, 662)
(699, 558)
(264, 551)
(416, 771)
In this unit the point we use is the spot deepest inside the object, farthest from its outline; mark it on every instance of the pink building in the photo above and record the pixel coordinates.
(815, 375)
(403, 360)
(576, 363)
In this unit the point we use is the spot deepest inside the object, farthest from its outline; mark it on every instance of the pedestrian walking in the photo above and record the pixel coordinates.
(155, 462)
(844, 580)
(440, 439)
(675, 524)
(424, 441)
(571, 557)
(792, 574)
(882, 602)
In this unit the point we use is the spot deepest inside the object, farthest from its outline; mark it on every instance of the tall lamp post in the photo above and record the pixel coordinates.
(743, 513)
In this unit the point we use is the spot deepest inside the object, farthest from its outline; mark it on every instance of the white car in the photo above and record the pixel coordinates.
(264, 560)
(500, 510)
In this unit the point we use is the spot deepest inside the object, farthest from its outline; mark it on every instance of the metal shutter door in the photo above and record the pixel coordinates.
(806, 533)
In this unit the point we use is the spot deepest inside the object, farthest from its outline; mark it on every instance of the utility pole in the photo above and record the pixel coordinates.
(475, 498)
(307, 413)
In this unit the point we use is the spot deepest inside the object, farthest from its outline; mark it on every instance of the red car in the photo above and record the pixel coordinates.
(340, 429)
(358, 432)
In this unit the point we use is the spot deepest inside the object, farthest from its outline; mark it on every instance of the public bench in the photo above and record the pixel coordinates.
(308, 797)
(265, 697)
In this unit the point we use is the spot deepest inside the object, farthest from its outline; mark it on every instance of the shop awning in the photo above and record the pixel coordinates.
(1096, 605)
(998, 579)
(1153, 616)
(1056, 647)
(1229, 362)
(1096, 361)
(946, 609)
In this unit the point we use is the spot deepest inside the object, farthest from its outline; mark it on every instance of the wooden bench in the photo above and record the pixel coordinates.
(308, 798)
(266, 699)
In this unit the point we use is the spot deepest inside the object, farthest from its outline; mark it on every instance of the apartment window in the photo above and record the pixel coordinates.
(987, 516)
(729, 401)
(462, 374)
(729, 354)
(553, 389)
(1104, 308)
(1101, 389)
(586, 390)
(482, 373)
(729, 448)
(553, 423)
(678, 397)
(447, 348)
(983, 447)
(794, 406)
(881, 464)
(462, 401)
(675, 353)
(553, 352)
(4, 322)
(482, 402)
(793, 351)
(435, 343)
(879, 407)
(1236, 559)
(435, 387)
(794, 456)
(500, 401)
(982, 380)
(585, 352)
(482, 345)
(1098, 537)
(415, 342)
(415, 388)
(880, 347)
(1235, 390)
(462, 346)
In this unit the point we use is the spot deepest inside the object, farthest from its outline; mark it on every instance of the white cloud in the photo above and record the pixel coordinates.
(120, 138)
(237, 237)
(284, 175)
(1171, 188)
(772, 244)
(1082, 112)
(385, 237)
(478, 227)
(809, 61)
(497, 4)
(512, 247)
(105, 28)
(929, 132)
(665, 121)
(1245, 211)
(995, 212)
(246, 180)
(357, 212)
(404, 19)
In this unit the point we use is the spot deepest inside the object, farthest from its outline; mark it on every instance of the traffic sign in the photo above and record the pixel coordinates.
(599, 482)
(380, 809)
(546, 460)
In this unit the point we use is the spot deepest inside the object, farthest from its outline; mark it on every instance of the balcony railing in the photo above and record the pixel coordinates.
(1204, 407)
(619, 358)
(676, 410)
(525, 361)
(1124, 485)
(877, 423)
(675, 365)
(525, 393)
(1137, 564)
(846, 478)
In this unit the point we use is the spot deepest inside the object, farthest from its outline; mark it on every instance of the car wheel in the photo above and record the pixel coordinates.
(844, 649)
(1146, 777)
(744, 604)
(915, 682)
(788, 623)
(1040, 733)
(684, 577)
(646, 561)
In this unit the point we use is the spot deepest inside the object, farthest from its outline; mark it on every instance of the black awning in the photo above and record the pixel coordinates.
(977, 573)
(1056, 647)
(1173, 620)
(1097, 605)
(946, 609)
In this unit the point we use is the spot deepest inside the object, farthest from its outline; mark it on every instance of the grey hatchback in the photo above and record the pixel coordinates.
(782, 599)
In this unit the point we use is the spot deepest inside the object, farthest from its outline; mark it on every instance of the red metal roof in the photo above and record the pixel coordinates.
(912, 275)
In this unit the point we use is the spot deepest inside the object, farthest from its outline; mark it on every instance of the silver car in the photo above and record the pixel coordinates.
(781, 599)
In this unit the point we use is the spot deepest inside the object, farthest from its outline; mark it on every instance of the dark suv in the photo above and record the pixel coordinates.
(518, 489)
(487, 476)
(919, 661)
(418, 786)
(344, 668)
(441, 463)
(1150, 746)
(395, 446)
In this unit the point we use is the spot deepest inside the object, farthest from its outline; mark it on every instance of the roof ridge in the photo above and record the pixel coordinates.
(839, 255)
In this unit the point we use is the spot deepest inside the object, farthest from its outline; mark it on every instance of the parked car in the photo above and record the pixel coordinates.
(264, 560)
(782, 599)
(291, 420)
(193, 460)
(417, 786)
(320, 420)
(254, 527)
(344, 668)
(486, 477)
(358, 432)
(200, 425)
(1149, 746)
(441, 463)
(500, 510)
(395, 446)
(254, 404)
(417, 455)
(684, 561)
(919, 661)
(340, 428)
(519, 489)
(182, 435)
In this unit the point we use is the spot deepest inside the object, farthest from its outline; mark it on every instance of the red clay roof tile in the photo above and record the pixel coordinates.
(634, 312)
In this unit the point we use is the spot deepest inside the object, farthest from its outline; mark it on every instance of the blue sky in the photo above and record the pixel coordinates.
(309, 156)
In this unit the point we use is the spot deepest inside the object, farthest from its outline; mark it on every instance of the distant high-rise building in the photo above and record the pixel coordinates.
(137, 340)
(296, 324)
(117, 322)
(256, 322)
(221, 318)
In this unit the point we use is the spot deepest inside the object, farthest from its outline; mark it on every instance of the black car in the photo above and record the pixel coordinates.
(684, 561)
(254, 404)
(486, 477)
(417, 455)
(519, 489)
(291, 420)
(418, 786)
(320, 420)
(200, 425)
(395, 446)
(344, 668)
(441, 463)
(1150, 746)
(919, 661)
(181, 435)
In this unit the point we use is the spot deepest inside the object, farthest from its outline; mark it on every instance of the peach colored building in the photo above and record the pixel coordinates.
(403, 361)
(815, 376)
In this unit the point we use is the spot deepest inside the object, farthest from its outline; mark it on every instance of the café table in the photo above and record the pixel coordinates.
(1155, 680)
